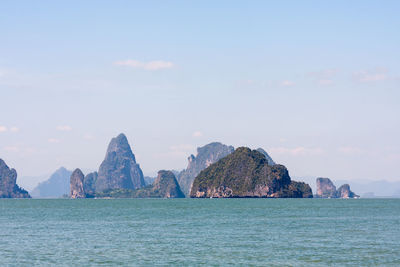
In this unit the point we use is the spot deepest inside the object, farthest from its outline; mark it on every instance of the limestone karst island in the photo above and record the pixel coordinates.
(199, 133)
(217, 171)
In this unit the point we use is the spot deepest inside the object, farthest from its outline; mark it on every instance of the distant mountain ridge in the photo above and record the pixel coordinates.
(56, 186)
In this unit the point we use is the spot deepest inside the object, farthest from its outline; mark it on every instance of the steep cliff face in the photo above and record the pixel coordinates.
(56, 186)
(167, 186)
(8, 183)
(206, 156)
(76, 184)
(345, 192)
(325, 188)
(89, 184)
(246, 173)
(119, 168)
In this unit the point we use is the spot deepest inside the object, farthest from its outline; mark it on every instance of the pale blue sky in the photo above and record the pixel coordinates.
(314, 83)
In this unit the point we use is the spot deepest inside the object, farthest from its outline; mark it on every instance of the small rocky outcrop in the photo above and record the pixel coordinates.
(8, 183)
(119, 169)
(326, 189)
(76, 184)
(345, 192)
(206, 156)
(246, 173)
(167, 186)
(56, 186)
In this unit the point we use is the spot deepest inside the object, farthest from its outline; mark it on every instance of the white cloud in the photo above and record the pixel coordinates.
(64, 128)
(350, 150)
(53, 140)
(181, 150)
(379, 74)
(4, 72)
(21, 150)
(296, 151)
(88, 136)
(197, 134)
(325, 82)
(287, 83)
(11, 148)
(5, 129)
(324, 73)
(182, 147)
(150, 65)
(324, 77)
(14, 129)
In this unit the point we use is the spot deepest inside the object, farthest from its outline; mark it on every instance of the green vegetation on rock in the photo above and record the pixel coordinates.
(165, 186)
(246, 173)
(206, 155)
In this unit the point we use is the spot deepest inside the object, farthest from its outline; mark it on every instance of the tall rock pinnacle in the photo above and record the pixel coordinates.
(119, 168)
(76, 183)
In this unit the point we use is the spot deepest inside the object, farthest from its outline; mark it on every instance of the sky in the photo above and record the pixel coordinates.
(314, 83)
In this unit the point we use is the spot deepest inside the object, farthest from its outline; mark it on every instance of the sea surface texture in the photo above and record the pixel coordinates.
(187, 232)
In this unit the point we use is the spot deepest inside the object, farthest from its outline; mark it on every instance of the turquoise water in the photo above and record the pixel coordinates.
(259, 232)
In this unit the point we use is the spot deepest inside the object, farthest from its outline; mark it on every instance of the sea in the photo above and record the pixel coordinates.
(200, 232)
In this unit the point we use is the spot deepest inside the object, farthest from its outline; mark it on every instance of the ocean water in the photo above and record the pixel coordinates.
(187, 232)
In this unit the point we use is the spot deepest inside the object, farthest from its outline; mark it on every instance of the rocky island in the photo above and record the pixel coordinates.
(247, 173)
(119, 168)
(165, 186)
(119, 176)
(77, 190)
(206, 155)
(8, 183)
(326, 189)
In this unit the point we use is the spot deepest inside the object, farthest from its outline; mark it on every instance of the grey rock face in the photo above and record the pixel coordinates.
(206, 156)
(167, 186)
(269, 159)
(119, 168)
(56, 186)
(89, 184)
(345, 192)
(8, 183)
(325, 188)
(149, 180)
(76, 183)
